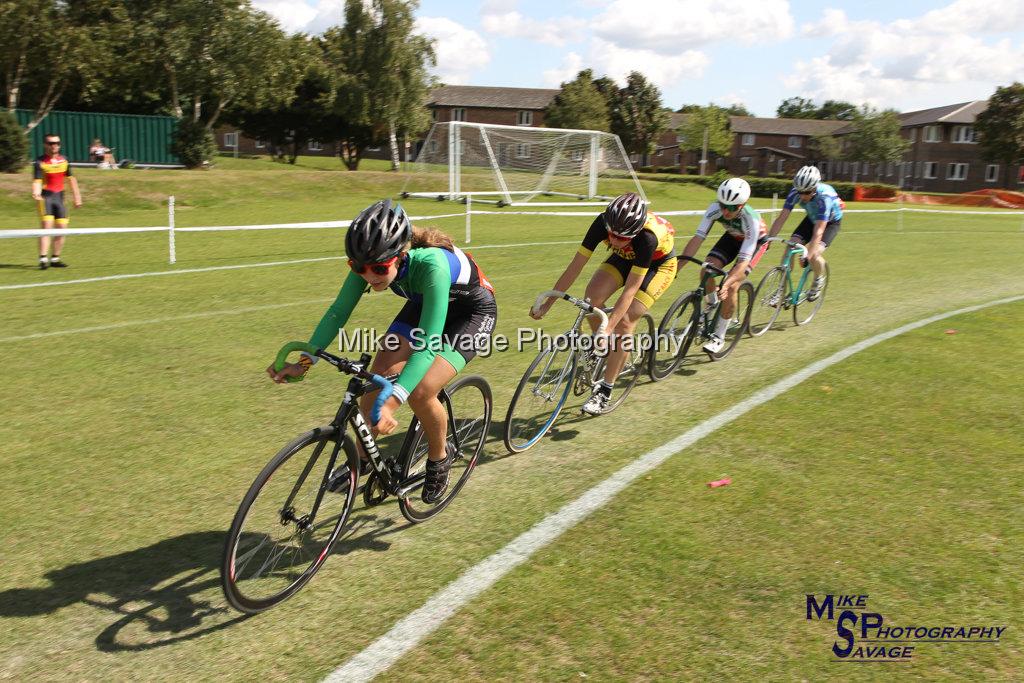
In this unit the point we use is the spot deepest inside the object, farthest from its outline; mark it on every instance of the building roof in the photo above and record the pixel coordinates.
(491, 97)
(964, 112)
(806, 127)
(782, 152)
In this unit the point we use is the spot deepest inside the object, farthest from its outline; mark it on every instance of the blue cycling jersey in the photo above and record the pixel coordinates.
(825, 205)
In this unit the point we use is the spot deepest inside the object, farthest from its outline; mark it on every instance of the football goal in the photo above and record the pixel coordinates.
(520, 166)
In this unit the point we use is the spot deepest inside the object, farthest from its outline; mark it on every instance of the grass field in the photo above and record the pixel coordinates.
(137, 414)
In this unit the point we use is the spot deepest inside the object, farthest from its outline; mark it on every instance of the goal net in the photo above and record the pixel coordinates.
(520, 166)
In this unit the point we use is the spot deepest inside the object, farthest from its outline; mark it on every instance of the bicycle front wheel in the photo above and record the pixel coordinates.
(675, 335)
(768, 299)
(539, 398)
(467, 403)
(738, 323)
(288, 520)
(636, 346)
(806, 309)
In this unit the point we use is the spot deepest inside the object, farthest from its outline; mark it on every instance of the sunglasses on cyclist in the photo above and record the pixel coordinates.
(729, 207)
(53, 142)
(376, 268)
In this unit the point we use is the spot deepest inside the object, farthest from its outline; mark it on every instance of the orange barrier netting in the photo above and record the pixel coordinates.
(1003, 199)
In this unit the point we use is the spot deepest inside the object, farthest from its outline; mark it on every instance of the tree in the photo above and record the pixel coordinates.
(732, 110)
(825, 148)
(837, 110)
(13, 144)
(796, 108)
(1001, 128)
(380, 72)
(44, 46)
(711, 121)
(637, 116)
(579, 104)
(876, 137)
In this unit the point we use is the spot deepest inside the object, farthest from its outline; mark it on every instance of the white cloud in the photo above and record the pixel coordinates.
(566, 71)
(293, 15)
(501, 17)
(905, 62)
(460, 51)
(670, 26)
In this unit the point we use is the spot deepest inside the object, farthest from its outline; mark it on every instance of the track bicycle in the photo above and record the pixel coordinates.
(691, 319)
(569, 364)
(298, 505)
(776, 292)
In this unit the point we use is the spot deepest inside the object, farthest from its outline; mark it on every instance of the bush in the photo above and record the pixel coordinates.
(193, 144)
(13, 144)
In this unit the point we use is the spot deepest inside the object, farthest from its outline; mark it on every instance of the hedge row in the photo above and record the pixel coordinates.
(766, 187)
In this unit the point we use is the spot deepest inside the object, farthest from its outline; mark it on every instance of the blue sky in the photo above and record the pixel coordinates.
(907, 55)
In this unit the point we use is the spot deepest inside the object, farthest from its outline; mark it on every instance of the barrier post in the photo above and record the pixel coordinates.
(170, 229)
(899, 215)
(775, 200)
(469, 213)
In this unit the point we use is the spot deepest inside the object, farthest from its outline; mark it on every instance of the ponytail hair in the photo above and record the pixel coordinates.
(431, 237)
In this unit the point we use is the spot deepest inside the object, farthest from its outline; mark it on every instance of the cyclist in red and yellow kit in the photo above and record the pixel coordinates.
(49, 172)
(642, 264)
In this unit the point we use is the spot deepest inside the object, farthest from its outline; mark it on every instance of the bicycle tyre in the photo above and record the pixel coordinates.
(472, 429)
(762, 315)
(815, 305)
(635, 365)
(676, 329)
(517, 442)
(241, 598)
(744, 302)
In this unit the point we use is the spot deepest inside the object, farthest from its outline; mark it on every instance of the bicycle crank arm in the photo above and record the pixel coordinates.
(411, 485)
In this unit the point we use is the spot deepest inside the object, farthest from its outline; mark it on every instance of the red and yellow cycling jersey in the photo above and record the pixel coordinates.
(51, 170)
(654, 242)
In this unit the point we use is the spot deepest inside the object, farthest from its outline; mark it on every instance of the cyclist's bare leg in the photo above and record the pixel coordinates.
(601, 286)
(424, 402)
(617, 356)
(817, 265)
(709, 282)
(389, 361)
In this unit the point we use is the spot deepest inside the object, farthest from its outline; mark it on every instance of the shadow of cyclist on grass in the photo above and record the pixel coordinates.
(167, 592)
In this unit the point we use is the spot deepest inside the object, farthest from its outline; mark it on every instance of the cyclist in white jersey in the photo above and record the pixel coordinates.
(819, 227)
(744, 241)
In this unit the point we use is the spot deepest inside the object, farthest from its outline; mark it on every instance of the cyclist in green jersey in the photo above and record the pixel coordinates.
(449, 316)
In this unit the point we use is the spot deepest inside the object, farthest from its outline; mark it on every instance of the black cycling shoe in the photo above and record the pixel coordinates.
(436, 482)
(43, 264)
(57, 264)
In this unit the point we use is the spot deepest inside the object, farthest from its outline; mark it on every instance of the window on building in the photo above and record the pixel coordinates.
(795, 141)
(678, 158)
(931, 169)
(964, 134)
(522, 151)
(748, 139)
(913, 134)
(991, 173)
(890, 169)
(260, 144)
(432, 147)
(865, 168)
(781, 166)
(231, 139)
(433, 115)
(956, 171)
(524, 118)
(315, 146)
(577, 155)
(458, 114)
(932, 134)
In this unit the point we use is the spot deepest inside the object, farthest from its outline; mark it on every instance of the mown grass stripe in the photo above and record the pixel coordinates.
(382, 653)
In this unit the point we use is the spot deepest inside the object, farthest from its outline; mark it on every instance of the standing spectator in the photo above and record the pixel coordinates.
(49, 172)
(101, 154)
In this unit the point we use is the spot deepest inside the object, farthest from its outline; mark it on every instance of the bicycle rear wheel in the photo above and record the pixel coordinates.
(467, 403)
(539, 398)
(675, 333)
(739, 322)
(806, 309)
(768, 300)
(636, 363)
(288, 520)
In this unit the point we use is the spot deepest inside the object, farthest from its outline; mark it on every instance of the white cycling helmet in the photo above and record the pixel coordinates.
(734, 191)
(807, 179)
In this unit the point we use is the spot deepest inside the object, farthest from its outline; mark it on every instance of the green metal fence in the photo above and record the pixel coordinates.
(143, 139)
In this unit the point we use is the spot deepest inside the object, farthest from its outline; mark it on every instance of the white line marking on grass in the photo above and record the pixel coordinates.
(157, 321)
(127, 276)
(411, 630)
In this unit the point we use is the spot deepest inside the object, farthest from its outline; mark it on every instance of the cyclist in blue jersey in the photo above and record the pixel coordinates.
(743, 241)
(449, 317)
(819, 227)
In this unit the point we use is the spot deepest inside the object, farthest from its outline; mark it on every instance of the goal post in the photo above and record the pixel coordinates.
(516, 165)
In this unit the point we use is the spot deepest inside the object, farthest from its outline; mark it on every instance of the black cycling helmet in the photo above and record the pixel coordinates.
(626, 214)
(379, 233)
